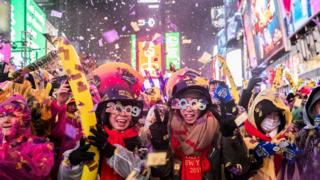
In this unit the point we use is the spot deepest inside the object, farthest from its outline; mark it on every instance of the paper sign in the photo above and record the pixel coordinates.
(71, 131)
(157, 159)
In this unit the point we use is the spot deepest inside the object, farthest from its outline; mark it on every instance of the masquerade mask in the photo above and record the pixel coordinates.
(118, 108)
(184, 104)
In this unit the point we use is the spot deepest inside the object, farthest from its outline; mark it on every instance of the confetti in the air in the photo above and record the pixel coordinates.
(205, 58)
(135, 26)
(100, 42)
(55, 13)
(111, 36)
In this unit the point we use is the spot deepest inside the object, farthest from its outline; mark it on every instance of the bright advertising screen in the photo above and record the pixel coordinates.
(267, 32)
(315, 6)
(149, 57)
(27, 21)
(297, 13)
(133, 41)
(172, 42)
(36, 20)
(301, 12)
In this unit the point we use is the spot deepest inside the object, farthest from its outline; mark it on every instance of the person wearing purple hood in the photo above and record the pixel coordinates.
(22, 155)
(308, 137)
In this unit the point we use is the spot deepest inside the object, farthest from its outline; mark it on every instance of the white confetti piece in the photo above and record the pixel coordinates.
(205, 58)
(135, 26)
(100, 42)
(55, 13)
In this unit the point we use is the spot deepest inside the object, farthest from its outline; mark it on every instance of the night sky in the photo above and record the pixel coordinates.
(84, 21)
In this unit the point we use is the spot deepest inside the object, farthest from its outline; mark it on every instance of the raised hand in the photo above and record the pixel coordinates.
(100, 140)
(81, 154)
(159, 131)
(222, 93)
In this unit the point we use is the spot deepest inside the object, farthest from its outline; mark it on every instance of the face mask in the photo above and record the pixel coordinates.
(269, 124)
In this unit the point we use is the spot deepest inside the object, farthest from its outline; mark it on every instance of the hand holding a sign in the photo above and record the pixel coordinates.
(100, 140)
(81, 154)
(222, 93)
(63, 94)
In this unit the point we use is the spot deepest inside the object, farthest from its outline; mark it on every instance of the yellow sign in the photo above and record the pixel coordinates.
(291, 81)
(226, 71)
(277, 78)
(149, 58)
(81, 93)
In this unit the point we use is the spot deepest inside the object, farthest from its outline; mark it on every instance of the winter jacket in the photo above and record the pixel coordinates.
(274, 166)
(309, 140)
(119, 166)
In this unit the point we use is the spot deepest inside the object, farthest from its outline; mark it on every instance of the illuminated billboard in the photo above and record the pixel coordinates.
(5, 16)
(267, 30)
(315, 6)
(36, 20)
(149, 57)
(133, 41)
(250, 43)
(27, 22)
(297, 13)
(172, 43)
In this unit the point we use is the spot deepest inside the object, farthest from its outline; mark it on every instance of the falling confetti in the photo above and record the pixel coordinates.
(111, 36)
(124, 28)
(132, 13)
(135, 26)
(55, 13)
(100, 42)
(205, 58)
(316, 22)
(91, 3)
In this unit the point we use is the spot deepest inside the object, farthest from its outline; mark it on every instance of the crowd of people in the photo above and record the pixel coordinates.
(203, 132)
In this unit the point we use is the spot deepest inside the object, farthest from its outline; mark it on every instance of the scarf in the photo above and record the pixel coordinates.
(191, 144)
(115, 137)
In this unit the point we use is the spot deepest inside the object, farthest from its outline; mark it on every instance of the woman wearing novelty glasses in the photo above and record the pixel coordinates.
(117, 113)
(194, 130)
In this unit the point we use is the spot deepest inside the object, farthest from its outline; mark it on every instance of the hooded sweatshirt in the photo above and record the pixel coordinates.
(265, 103)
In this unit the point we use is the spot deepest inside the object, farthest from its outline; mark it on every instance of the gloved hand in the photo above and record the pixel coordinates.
(264, 149)
(159, 132)
(291, 152)
(257, 71)
(227, 125)
(81, 154)
(222, 93)
(256, 79)
(253, 82)
(100, 140)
